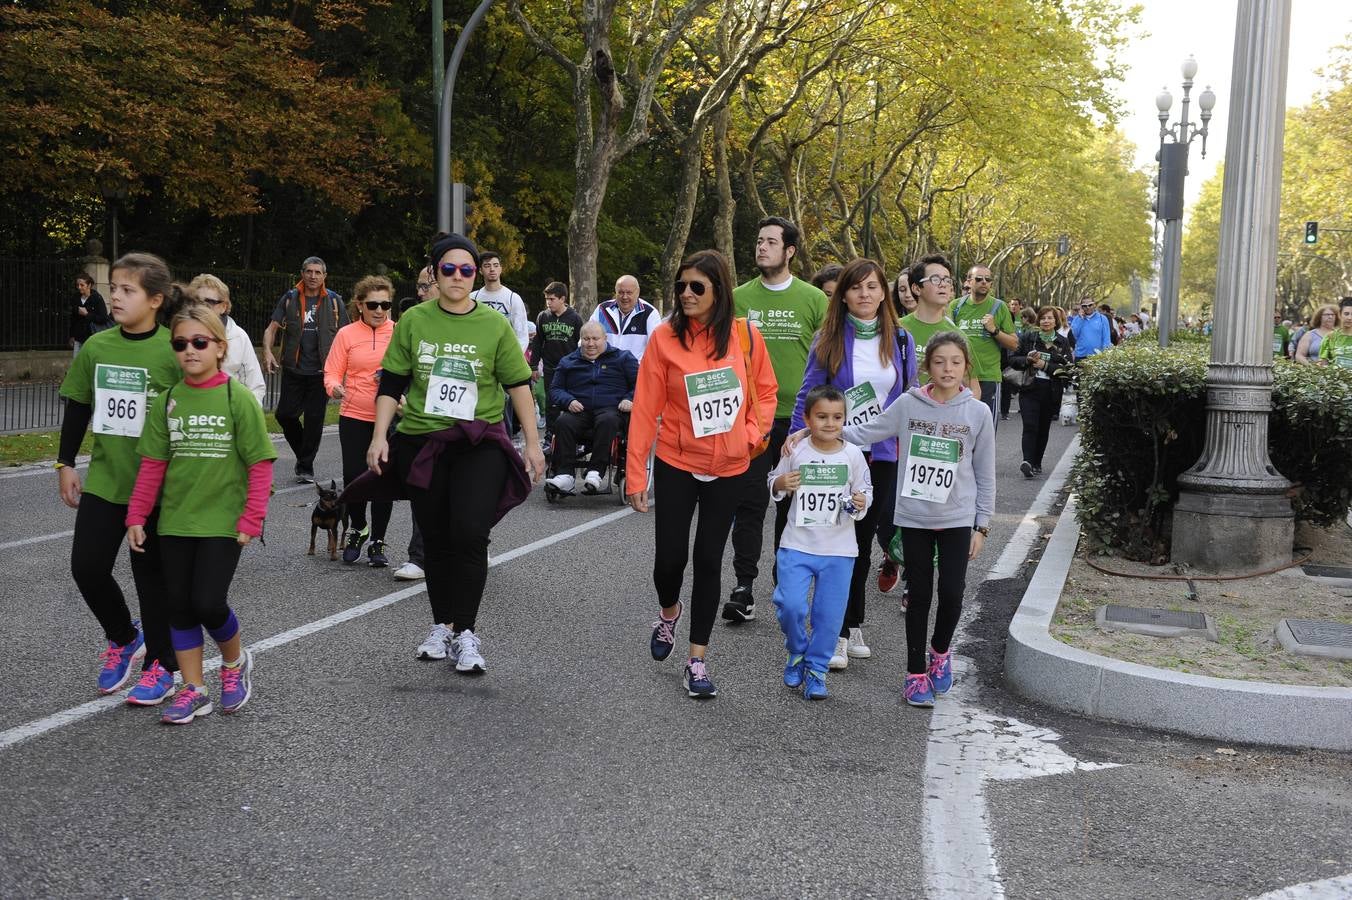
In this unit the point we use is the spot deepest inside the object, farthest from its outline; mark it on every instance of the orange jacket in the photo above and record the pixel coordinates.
(353, 361)
(661, 392)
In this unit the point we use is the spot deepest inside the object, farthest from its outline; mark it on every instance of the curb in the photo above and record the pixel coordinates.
(1041, 668)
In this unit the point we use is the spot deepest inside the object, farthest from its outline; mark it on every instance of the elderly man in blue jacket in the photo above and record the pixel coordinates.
(594, 387)
(1092, 331)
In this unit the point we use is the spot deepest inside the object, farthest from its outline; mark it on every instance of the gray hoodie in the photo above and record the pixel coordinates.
(965, 418)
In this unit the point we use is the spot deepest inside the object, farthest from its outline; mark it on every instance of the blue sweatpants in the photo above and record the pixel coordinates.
(796, 573)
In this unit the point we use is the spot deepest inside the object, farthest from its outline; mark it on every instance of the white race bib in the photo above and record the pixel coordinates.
(452, 390)
(862, 405)
(931, 468)
(715, 398)
(1277, 344)
(821, 494)
(120, 400)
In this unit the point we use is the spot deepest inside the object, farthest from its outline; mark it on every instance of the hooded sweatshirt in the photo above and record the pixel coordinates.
(971, 501)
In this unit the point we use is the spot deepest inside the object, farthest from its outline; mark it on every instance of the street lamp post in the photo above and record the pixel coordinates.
(1173, 157)
(448, 217)
(1233, 513)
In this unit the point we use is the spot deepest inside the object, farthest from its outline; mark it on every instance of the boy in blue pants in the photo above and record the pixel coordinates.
(831, 486)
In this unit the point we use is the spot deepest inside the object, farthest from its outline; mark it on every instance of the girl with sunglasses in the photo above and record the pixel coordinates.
(207, 457)
(241, 362)
(352, 375)
(452, 358)
(707, 375)
(115, 375)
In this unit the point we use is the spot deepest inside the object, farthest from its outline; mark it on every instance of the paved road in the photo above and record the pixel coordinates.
(578, 767)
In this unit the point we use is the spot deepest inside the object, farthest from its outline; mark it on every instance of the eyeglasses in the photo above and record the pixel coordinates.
(198, 343)
(696, 287)
(937, 280)
(374, 305)
(213, 301)
(466, 270)
(424, 288)
(982, 279)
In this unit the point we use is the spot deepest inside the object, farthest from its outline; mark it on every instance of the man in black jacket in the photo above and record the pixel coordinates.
(556, 335)
(88, 312)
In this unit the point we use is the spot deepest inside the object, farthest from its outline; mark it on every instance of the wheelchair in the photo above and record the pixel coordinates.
(613, 476)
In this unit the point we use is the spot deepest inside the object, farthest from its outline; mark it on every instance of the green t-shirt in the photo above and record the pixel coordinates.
(922, 332)
(787, 320)
(985, 351)
(119, 378)
(1281, 337)
(459, 363)
(210, 436)
(1337, 348)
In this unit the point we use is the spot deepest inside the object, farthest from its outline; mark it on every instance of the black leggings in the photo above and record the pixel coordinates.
(1038, 406)
(677, 493)
(917, 545)
(455, 515)
(100, 531)
(884, 476)
(198, 572)
(354, 436)
(748, 529)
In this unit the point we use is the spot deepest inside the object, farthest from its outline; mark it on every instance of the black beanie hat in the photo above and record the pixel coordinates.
(447, 242)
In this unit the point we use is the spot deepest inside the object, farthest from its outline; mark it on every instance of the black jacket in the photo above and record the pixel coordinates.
(81, 327)
(1060, 356)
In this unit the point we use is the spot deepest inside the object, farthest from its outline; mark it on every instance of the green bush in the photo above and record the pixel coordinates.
(1143, 423)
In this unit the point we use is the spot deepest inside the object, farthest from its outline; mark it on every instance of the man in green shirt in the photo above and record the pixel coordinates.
(1281, 338)
(788, 312)
(1337, 347)
(988, 326)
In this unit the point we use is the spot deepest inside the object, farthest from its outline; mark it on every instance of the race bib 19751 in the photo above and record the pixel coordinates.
(715, 398)
(821, 494)
(862, 404)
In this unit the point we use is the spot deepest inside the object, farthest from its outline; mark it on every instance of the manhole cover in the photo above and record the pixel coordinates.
(1312, 637)
(1155, 622)
(1328, 571)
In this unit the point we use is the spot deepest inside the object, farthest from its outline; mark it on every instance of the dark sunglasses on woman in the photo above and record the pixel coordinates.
(374, 305)
(198, 343)
(466, 270)
(696, 287)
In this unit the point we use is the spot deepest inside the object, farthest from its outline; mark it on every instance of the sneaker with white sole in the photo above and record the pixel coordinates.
(409, 571)
(591, 484)
(438, 643)
(855, 647)
(564, 483)
(841, 658)
(189, 703)
(468, 659)
(155, 686)
(237, 683)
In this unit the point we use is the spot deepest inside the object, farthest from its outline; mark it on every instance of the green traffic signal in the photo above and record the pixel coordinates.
(1311, 232)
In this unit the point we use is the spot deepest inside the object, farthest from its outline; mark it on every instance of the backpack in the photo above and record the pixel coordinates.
(744, 336)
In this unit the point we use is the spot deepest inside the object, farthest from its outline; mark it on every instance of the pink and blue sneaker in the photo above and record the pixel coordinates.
(237, 684)
(940, 671)
(189, 703)
(156, 684)
(117, 661)
(918, 691)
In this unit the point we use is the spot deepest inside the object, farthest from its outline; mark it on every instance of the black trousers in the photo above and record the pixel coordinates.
(866, 530)
(990, 395)
(1039, 405)
(454, 515)
(100, 533)
(677, 493)
(1006, 396)
(570, 427)
(302, 395)
(551, 411)
(198, 572)
(748, 527)
(917, 546)
(354, 436)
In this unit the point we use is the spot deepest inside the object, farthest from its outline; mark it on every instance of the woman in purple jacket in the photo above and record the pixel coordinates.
(863, 351)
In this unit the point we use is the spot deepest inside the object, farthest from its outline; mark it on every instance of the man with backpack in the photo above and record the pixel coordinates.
(988, 325)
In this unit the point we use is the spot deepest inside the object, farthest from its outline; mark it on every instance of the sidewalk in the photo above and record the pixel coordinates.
(1045, 670)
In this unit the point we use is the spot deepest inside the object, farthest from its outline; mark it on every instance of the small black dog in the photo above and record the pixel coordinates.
(329, 515)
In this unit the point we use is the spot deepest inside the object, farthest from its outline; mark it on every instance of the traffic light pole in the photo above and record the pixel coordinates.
(449, 218)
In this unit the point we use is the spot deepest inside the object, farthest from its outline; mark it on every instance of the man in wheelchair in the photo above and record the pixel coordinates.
(593, 389)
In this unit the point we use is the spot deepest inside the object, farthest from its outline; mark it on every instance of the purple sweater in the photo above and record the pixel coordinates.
(903, 360)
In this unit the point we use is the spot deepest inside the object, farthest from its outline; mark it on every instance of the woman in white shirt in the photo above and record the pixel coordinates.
(241, 362)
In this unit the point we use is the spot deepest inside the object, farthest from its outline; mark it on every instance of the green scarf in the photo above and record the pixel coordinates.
(864, 330)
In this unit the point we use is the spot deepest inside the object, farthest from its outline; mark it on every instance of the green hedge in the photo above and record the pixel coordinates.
(1142, 424)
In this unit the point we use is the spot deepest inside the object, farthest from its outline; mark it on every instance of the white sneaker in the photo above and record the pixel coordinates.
(841, 658)
(438, 643)
(410, 571)
(592, 483)
(467, 655)
(855, 647)
(565, 483)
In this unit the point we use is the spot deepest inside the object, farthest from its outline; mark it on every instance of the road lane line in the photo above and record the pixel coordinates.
(1025, 535)
(28, 730)
(1338, 888)
(10, 545)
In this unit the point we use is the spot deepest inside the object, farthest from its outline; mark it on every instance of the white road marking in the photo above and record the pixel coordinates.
(1339, 888)
(1025, 535)
(28, 730)
(10, 545)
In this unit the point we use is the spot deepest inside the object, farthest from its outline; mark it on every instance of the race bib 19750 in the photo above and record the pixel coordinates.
(120, 400)
(715, 398)
(931, 468)
(452, 390)
(821, 494)
(862, 404)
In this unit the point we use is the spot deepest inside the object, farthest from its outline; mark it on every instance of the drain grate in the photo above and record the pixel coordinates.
(1155, 622)
(1327, 571)
(1313, 637)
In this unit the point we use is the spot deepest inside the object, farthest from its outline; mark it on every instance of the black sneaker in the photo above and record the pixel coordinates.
(375, 555)
(304, 475)
(1037, 470)
(1026, 468)
(741, 606)
(352, 552)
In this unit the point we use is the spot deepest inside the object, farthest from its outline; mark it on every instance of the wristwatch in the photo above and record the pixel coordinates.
(984, 530)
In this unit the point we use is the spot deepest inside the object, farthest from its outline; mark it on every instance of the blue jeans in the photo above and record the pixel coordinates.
(796, 573)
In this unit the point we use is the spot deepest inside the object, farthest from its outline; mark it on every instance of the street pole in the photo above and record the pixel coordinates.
(443, 170)
(1233, 513)
(438, 51)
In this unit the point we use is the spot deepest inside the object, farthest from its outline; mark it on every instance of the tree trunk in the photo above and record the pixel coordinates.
(686, 194)
(727, 204)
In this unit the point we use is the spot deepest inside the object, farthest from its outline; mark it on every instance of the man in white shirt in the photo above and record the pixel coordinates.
(627, 319)
(502, 298)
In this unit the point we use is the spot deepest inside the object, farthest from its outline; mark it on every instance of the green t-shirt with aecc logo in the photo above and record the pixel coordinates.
(455, 355)
(922, 332)
(1337, 348)
(210, 436)
(1281, 337)
(119, 377)
(985, 351)
(787, 320)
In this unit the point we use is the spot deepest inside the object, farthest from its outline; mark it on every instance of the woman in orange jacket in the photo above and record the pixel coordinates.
(351, 374)
(707, 376)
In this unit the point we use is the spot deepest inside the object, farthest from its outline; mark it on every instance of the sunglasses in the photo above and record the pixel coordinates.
(982, 279)
(374, 305)
(696, 287)
(425, 287)
(212, 301)
(466, 270)
(198, 343)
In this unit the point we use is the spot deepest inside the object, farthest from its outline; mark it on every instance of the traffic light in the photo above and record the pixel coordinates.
(1311, 232)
